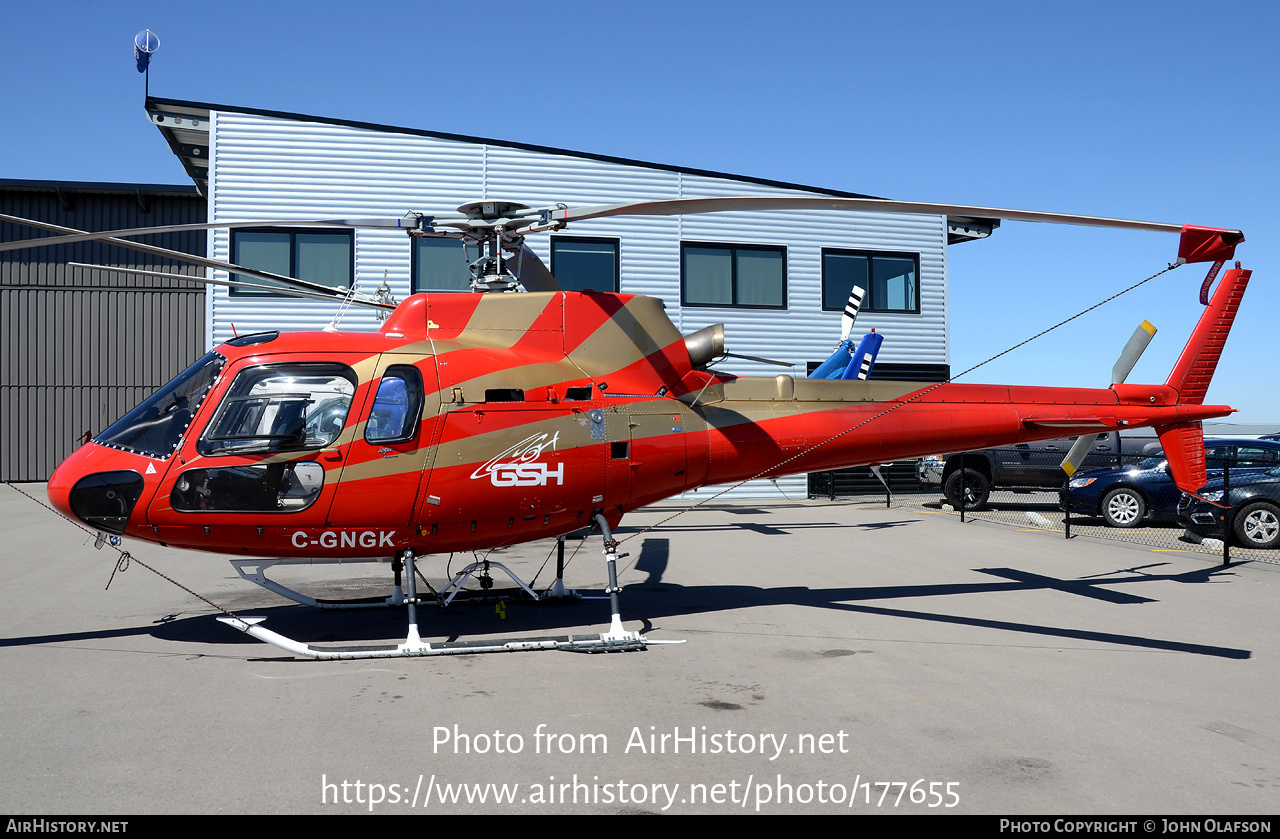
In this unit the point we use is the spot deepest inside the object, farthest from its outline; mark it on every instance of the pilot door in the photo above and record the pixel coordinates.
(270, 454)
(388, 462)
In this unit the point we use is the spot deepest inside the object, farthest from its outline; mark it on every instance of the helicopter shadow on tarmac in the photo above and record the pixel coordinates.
(651, 600)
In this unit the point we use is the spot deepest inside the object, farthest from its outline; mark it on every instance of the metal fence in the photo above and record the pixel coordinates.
(1043, 508)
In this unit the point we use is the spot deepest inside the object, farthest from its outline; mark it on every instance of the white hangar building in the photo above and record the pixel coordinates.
(777, 280)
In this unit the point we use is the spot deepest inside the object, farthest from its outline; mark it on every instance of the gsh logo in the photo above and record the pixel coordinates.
(519, 466)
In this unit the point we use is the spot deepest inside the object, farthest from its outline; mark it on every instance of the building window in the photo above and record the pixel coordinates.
(323, 258)
(892, 280)
(580, 264)
(441, 264)
(753, 276)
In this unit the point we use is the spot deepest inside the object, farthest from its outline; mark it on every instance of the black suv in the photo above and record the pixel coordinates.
(1024, 466)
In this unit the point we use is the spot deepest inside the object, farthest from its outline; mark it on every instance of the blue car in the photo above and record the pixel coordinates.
(1129, 495)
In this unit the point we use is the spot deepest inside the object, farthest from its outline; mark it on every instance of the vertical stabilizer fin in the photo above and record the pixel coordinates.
(1194, 370)
(1183, 445)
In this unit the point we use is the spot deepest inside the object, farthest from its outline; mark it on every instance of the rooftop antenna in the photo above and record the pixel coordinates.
(145, 44)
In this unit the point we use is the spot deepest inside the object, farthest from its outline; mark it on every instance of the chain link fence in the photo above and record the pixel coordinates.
(1136, 501)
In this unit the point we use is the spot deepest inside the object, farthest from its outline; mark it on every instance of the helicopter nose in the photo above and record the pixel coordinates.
(104, 500)
(58, 489)
(101, 499)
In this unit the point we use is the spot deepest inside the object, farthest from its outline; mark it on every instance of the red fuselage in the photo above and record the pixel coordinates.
(473, 421)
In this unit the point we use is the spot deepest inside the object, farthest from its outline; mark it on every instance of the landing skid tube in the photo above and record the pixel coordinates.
(616, 639)
(416, 647)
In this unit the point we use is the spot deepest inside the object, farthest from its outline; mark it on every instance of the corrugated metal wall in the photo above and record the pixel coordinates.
(82, 347)
(267, 167)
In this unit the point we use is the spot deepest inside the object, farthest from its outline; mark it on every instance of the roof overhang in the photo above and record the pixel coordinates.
(185, 128)
(968, 228)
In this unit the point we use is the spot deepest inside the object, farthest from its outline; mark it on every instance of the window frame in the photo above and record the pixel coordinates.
(416, 288)
(868, 302)
(213, 443)
(130, 433)
(415, 398)
(733, 248)
(292, 233)
(617, 256)
(181, 497)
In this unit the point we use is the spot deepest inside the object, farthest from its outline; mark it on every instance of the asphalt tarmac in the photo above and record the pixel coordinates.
(838, 658)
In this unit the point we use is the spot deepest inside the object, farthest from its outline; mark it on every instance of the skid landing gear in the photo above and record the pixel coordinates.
(616, 639)
(483, 567)
(557, 590)
(616, 633)
(255, 571)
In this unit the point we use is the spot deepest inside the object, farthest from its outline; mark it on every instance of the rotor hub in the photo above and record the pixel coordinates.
(496, 210)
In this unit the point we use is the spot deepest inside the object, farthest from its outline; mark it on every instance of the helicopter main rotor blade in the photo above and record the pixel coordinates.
(683, 206)
(408, 222)
(292, 292)
(530, 270)
(288, 282)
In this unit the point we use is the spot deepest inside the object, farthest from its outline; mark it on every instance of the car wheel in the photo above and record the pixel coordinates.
(971, 485)
(1123, 507)
(1257, 525)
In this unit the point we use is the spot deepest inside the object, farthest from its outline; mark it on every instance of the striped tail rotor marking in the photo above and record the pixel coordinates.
(851, 311)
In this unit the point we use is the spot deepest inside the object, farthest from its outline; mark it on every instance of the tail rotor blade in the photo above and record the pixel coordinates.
(1132, 352)
(851, 311)
(1076, 455)
(1124, 364)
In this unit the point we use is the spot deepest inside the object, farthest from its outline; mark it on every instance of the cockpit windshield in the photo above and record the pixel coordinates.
(281, 407)
(155, 427)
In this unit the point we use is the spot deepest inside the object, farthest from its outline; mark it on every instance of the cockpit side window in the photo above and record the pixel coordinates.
(281, 407)
(155, 427)
(258, 488)
(397, 406)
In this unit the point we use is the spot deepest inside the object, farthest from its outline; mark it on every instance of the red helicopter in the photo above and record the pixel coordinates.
(474, 421)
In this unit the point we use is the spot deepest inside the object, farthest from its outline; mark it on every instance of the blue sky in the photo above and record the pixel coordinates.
(1161, 111)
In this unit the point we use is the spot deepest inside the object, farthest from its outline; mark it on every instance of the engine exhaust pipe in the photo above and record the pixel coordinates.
(705, 344)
